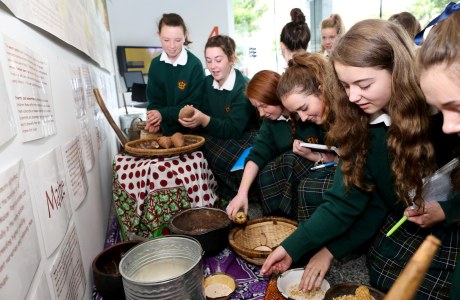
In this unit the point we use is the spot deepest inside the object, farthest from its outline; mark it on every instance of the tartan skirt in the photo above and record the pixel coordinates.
(221, 155)
(288, 185)
(311, 189)
(389, 255)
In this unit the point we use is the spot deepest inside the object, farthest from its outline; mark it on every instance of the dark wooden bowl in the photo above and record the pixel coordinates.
(210, 226)
(106, 275)
(343, 289)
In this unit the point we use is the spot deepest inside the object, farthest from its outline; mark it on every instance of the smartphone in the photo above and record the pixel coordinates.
(320, 147)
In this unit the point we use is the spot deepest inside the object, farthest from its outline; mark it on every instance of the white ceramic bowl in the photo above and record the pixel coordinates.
(293, 276)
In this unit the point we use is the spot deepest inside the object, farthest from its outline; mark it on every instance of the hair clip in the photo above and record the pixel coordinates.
(451, 8)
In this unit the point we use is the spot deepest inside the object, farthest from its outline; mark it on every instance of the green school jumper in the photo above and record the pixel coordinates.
(275, 137)
(169, 88)
(230, 111)
(347, 221)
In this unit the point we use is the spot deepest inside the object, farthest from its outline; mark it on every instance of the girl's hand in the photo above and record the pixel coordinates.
(240, 201)
(277, 262)
(431, 215)
(198, 119)
(316, 269)
(313, 155)
(152, 129)
(153, 122)
(303, 152)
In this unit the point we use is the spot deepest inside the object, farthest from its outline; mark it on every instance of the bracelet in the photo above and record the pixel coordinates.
(320, 160)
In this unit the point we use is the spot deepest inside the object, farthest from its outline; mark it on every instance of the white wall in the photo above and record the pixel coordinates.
(135, 23)
(92, 216)
(132, 23)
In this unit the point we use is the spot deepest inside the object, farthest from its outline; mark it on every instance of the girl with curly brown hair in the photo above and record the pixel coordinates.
(384, 129)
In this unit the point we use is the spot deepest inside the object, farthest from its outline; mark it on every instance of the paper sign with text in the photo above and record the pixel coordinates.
(30, 84)
(78, 184)
(19, 249)
(51, 198)
(67, 273)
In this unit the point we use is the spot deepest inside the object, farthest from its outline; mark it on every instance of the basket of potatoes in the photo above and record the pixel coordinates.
(175, 144)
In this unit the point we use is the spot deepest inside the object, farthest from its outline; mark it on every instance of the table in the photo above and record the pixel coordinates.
(147, 192)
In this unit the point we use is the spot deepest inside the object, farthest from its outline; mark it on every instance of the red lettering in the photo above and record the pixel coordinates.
(57, 196)
(214, 31)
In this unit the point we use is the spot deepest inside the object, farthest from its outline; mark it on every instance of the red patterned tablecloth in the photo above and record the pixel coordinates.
(147, 192)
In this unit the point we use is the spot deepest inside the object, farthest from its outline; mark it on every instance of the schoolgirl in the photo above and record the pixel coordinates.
(382, 124)
(226, 117)
(289, 177)
(278, 130)
(331, 29)
(175, 77)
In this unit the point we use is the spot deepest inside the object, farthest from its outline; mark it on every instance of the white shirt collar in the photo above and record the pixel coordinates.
(380, 117)
(228, 84)
(181, 59)
(283, 118)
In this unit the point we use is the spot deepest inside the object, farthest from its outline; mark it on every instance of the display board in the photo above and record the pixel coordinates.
(56, 153)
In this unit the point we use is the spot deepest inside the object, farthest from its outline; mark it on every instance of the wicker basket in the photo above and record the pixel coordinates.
(265, 231)
(148, 135)
(192, 142)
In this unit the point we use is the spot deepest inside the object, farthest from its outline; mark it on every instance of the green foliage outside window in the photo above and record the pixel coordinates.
(426, 10)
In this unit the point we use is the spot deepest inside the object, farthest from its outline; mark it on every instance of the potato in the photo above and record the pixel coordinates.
(165, 142)
(178, 139)
(155, 145)
(186, 112)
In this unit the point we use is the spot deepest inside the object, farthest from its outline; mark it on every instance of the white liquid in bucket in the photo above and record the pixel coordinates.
(163, 269)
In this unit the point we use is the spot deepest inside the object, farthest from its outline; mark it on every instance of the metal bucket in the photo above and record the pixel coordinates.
(127, 120)
(168, 267)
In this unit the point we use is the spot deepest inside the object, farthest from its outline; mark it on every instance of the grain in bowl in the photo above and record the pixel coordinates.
(296, 294)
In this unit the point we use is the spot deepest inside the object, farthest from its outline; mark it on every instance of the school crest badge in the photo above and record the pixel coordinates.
(227, 108)
(312, 139)
(181, 84)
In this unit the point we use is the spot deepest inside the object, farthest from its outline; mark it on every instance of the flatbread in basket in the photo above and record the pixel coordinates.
(255, 240)
(192, 142)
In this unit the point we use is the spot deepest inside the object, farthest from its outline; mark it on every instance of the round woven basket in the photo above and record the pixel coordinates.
(261, 232)
(192, 142)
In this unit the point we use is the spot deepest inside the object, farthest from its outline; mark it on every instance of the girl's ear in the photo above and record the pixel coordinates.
(282, 46)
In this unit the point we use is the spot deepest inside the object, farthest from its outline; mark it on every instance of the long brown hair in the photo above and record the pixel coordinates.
(442, 47)
(408, 21)
(383, 45)
(306, 74)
